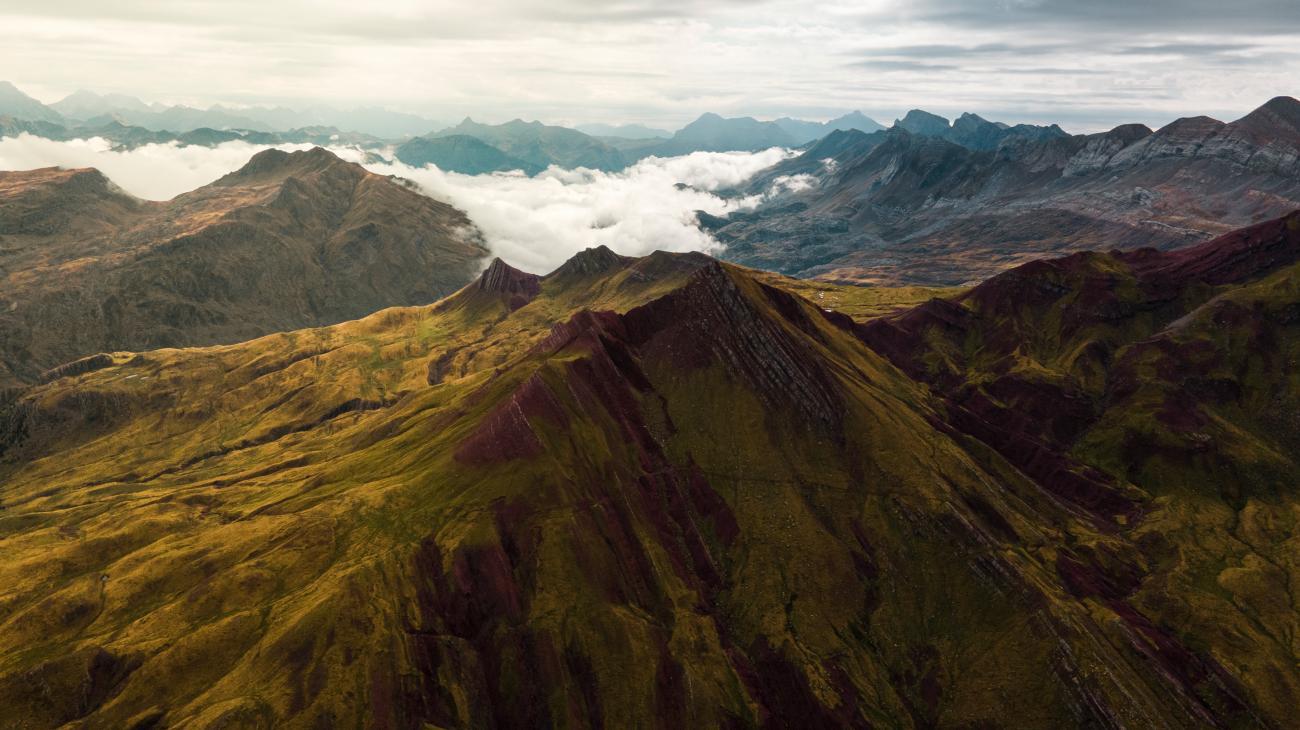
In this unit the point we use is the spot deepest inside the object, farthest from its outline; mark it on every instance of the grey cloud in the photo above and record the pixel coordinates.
(885, 64)
(1120, 16)
(1047, 71)
(942, 50)
(1185, 49)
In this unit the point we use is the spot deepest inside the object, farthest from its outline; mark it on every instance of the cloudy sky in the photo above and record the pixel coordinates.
(1087, 64)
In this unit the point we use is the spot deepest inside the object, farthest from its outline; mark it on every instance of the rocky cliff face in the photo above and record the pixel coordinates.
(901, 207)
(289, 240)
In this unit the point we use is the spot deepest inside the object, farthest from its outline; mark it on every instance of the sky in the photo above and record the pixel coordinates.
(1086, 64)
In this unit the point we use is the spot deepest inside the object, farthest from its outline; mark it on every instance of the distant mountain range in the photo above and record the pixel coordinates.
(19, 105)
(125, 136)
(88, 109)
(533, 146)
(803, 132)
(288, 241)
(623, 131)
(932, 203)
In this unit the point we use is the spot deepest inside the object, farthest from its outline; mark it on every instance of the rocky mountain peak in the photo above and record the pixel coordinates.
(274, 164)
(1279, 117)
(918, 121)
(592, 261)
(520, 287)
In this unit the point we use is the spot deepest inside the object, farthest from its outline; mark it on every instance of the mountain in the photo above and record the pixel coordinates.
(924, 123)
(182, 118)
(713, 133)
(288, 241)
(12, 127)
(854, 120)
(14, 103)
(623, 131)
(461, 153)
(88, 108)
(372, 121)
(83, 105)
(125, 136)
(668, 492)
(541, 145)
(803, 132)
(800, 131)
(902, 207)
(973, 131)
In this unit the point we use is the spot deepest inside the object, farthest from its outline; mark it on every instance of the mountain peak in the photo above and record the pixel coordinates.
(1129, 132)
(1278, 116)
(1282, 104)
(276, 163)
(15, 103)
(501, 278)
(592, 261)
(919, 121)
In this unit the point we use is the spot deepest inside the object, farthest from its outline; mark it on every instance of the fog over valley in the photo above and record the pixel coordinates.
(533, 222)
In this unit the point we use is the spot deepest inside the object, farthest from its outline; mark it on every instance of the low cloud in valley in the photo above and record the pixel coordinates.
(533, 223)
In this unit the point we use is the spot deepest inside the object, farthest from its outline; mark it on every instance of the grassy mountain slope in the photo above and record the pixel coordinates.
(654, 492)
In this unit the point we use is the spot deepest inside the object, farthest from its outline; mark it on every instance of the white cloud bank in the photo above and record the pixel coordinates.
(533, 223)
(538, 223)
(152, 172)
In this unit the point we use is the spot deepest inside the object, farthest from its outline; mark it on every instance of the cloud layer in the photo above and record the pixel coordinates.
(533, 223)
(537, 223)
(152, 172)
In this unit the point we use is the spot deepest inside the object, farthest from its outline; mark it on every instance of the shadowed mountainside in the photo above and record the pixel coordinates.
(667, 492)
(290, 240)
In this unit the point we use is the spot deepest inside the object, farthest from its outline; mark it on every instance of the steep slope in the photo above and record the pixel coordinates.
(461, 153)
(288, 241)
(651, 492)
(956, 206)
(1174, 372)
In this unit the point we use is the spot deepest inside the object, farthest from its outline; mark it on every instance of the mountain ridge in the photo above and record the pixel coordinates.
(290, 239)
(667, 489)
(895, 207)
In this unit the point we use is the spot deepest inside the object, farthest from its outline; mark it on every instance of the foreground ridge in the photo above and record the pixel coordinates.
(668, 491)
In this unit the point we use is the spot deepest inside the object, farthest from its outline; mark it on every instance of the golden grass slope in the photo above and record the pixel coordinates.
(654, 492)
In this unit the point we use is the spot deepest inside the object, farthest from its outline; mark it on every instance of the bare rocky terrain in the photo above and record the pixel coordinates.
(915, 207)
